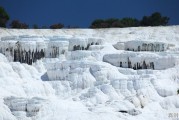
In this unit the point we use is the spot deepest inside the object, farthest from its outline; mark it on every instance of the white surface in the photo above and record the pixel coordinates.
(79, 85)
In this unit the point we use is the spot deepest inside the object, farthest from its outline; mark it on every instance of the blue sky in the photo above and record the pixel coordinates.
(83, 12)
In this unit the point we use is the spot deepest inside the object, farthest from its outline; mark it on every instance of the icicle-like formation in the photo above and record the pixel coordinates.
(28, 49)
(55, 48)
(83, 43)
(141, 61)
(24, 52)
(145, 46)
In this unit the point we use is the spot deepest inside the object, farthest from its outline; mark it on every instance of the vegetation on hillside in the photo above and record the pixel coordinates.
(18, 24)
(4, 17)
(156, 19)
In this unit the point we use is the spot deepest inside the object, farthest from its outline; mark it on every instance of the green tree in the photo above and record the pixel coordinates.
(117, 24)
(130, 22)
(35, 26)
(97, 23)
(110, 21)
(114, 22)
(17, 24)
(4, 17)
(145, 21)
(155, 19)
(57, 26)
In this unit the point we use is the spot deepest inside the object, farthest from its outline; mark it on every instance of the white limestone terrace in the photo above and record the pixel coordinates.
(30, 48)
(23, 48)
(105, 81)
(142, 60)
(23, 107)
(84, 43)
(139, 45)
(55, 48)
(27, 49)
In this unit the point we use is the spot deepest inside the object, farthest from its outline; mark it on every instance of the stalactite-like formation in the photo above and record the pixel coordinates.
(55, 49)
(78, 47)
(145, 46)
(54, 52)
(120, 64)
(20, 53)
(138, 65)
(29, 49)
(27, 56)
(138, 46)
(129, 64)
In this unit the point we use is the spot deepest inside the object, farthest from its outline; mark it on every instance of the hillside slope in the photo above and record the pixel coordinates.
(91, 74)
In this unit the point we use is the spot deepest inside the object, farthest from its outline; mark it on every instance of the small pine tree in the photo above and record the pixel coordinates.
(155, 19)
(4, 17)
(17, 24)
